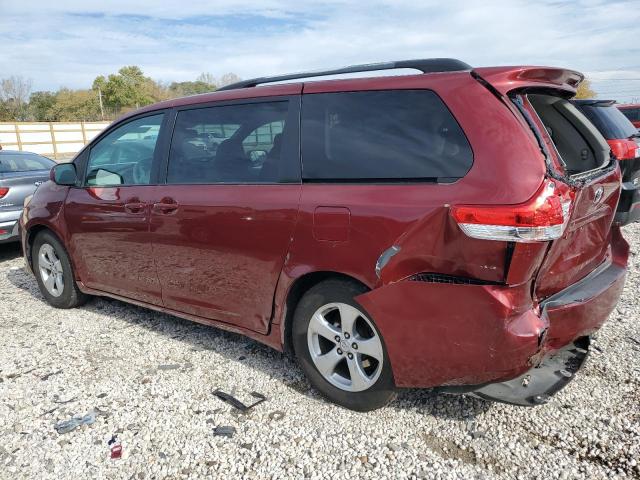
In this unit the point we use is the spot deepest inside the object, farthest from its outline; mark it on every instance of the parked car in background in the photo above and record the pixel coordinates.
(20, 175)
(450, 228)
(624, 140)
(631, 111)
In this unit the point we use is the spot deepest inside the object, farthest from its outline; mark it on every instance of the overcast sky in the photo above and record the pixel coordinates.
(69, 42)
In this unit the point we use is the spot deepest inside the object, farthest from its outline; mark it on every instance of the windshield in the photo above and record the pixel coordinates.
(23, 163)
(609, 120)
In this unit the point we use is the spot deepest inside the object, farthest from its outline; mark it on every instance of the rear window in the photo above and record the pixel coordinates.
(609, 120)
(633, 114)
(382, 136)
(24, 163)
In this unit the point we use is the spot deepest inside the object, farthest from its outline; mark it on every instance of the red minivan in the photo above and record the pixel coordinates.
(449, 228)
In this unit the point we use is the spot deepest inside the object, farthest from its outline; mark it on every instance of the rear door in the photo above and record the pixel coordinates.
(108, 215)
(225, 217)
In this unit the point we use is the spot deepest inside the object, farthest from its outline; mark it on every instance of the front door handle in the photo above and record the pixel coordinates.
(135, 207)
(166, 206)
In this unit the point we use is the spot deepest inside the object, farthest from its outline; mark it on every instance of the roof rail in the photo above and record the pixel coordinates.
(428, 65)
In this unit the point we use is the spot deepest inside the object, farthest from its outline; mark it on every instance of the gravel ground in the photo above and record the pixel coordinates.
(150, 378)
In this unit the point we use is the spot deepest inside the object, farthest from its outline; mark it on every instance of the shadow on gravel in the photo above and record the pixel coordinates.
(235, 347)
(9, 251)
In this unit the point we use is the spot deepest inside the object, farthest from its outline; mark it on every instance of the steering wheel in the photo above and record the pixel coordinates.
(142, 171)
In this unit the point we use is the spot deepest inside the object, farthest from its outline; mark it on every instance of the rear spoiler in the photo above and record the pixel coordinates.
(506, 79)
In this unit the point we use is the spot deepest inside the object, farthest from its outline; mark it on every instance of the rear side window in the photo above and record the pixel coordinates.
(609, 120)
(24, 163)
(381, 136)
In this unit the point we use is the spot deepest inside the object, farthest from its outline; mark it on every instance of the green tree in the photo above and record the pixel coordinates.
(181, 89)
(76, 105)
(41, 106)
(129, 88)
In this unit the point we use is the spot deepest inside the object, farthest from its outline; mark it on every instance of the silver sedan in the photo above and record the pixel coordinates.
(20, 175)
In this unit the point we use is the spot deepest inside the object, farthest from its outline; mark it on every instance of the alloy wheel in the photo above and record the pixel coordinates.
(51, 271)
(345, 347)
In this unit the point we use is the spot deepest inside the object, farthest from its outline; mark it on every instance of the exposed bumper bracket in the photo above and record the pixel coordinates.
(536, 386)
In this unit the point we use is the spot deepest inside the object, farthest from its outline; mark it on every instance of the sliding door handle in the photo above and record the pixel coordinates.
(135, 207)
(165, 207)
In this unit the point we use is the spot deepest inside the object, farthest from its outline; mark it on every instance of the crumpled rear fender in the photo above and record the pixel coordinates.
(455, 334)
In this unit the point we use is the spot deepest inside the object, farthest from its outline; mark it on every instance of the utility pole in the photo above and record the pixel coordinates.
(101, 107)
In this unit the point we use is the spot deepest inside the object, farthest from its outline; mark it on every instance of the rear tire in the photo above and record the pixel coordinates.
(331, 333)
(53, 272)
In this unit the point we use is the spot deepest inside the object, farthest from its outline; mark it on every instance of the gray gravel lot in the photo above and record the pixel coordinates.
(151, 376)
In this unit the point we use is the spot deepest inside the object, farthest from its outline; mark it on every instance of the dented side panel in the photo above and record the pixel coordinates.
(443, 334)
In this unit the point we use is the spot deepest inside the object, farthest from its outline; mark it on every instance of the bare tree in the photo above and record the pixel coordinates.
(206, 77)
(14, 94)
(228, 78)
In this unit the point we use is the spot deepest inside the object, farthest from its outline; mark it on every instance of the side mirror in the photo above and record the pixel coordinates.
(64, 174)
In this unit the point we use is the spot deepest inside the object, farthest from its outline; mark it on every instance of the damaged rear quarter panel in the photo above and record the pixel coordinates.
(444, 334)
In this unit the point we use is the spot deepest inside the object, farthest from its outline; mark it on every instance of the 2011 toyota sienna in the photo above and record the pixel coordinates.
(449, 228)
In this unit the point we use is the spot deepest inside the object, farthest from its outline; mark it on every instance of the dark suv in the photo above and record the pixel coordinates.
(450, 228)
(624, 140)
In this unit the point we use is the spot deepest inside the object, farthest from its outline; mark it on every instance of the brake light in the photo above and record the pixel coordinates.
(544, 217)
(624, 149)
(3, 191)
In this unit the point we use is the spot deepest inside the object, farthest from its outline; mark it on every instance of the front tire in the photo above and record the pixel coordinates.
(53, 272)
(340, 349)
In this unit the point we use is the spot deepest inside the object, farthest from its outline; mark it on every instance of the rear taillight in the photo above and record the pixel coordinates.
(3, 191)
(543, 217)
(624, 149)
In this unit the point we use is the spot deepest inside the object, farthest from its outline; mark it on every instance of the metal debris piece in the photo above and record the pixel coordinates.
(224, 431)
(234, 402)
(74, 422)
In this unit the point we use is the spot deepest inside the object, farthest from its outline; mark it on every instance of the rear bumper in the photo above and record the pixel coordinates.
(538, 384)
(9, 225)
(9, 231)
(469, 335)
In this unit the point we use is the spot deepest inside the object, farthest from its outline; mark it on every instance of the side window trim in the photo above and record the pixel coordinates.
(85, 154)
(292, 166)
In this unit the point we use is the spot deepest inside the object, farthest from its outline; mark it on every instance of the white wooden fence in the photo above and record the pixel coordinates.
(58, 140)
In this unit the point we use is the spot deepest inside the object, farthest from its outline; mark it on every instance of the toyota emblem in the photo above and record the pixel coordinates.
(598, 195)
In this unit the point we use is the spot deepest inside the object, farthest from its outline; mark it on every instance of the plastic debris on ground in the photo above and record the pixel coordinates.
(234, 402)
(115, 447)
(74, 422)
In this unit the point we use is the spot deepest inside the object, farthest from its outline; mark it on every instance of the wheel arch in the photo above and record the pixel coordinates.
(297, 289)
(32, 233)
